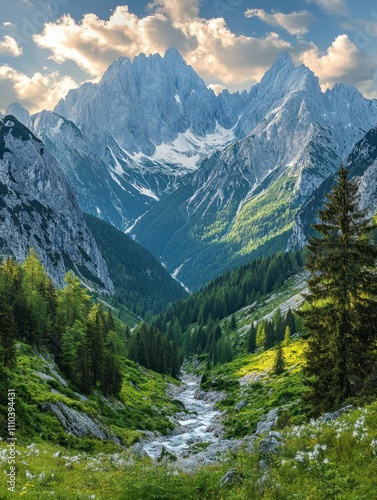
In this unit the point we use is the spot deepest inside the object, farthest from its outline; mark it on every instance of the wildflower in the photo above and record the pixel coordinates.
(326, 461)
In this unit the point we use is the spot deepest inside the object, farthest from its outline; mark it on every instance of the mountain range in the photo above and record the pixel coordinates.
(205, 181)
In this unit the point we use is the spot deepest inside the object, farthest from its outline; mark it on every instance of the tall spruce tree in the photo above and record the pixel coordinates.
(341, 309)
(279, 363)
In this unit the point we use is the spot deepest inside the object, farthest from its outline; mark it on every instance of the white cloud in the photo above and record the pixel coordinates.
(208, 45)
(9, 47)
(217, 87)
(7, 24)
(177, 10)
(36, 92)
(342, 62)
(215, 52)
(296, 23)
(332, 6)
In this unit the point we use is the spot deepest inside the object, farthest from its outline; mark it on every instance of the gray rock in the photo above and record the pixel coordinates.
(240, 405)
(270, 443)
(263, 465)
(77, 423)
(248, 443)
(138, 449)
(230, 478)
(39, 209)
(267, 424)
(334, 416)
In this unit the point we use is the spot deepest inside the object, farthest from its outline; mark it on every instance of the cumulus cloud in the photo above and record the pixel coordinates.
(36, 92)
(215, 52)
(208, 45)
(341, 62)
(9, 47)
(332, 6)
(296, 23)
(7, 24)
(342, 58)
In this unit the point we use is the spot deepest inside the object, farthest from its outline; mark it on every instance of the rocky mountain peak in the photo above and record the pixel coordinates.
(39, 209)
(19, 112)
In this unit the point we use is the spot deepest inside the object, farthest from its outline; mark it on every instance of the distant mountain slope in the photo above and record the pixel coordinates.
(234, 290)
(362, 164)
(141, 283)
(242, 201)
(39, 209)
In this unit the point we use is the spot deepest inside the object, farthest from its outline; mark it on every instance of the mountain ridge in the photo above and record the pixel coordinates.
(39, 209)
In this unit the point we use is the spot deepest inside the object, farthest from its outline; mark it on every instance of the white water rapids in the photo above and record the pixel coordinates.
(197, 425)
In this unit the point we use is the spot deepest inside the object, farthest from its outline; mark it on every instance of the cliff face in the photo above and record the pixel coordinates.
(39, 209)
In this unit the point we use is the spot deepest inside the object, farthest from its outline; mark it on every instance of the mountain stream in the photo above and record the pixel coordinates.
(199, 424)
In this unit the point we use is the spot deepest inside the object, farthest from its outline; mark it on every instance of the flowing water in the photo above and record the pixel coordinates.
(197, 425)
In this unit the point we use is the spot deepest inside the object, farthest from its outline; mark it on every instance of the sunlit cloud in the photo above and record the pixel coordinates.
(36, 92)
(216, 87)
(342, 58)
(296, 23)
(208, 45)
(219, 55)
(10, 47)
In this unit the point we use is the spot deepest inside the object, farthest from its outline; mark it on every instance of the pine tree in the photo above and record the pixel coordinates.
(233, 322)
(74, 301)
(70, 341)
(261, 336)
(111, 378)
(287, 335)
(251, 339)
(94, 344)
(341, 309)
(279, 364)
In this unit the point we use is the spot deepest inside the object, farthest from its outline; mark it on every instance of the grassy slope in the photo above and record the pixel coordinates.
(142, 404)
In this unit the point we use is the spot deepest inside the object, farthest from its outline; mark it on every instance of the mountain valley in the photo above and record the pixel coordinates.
(163, 292)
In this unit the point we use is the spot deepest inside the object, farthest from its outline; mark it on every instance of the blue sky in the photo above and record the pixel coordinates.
(50, 46)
